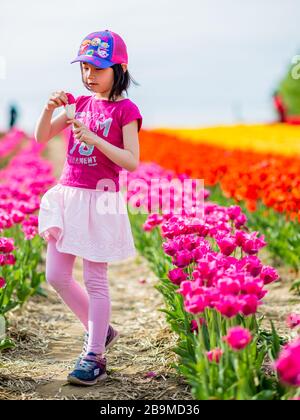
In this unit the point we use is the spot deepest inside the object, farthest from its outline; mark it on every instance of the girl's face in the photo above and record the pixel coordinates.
(99, 80)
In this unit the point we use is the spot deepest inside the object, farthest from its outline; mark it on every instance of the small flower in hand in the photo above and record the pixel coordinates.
(82, 133)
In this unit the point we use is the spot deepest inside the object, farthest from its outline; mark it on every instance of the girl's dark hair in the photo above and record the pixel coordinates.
(122, 81)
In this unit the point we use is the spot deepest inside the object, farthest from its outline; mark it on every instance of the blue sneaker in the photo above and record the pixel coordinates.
(111, 338)
(90, 370)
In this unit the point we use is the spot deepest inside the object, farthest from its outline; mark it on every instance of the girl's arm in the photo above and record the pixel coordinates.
(128, 158)
(46, 128)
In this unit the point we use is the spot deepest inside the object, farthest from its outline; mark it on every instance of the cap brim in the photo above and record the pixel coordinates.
(97, 62)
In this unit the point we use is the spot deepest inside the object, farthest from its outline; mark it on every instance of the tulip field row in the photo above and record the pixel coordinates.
(275, 138)
(210, 272)
(213, 283)
(237, 171)
(23, 179)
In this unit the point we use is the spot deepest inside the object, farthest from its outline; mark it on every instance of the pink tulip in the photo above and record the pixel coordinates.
(238, 338)
(6, 245)
(226, 245)
(195, 305)
(142, 281)
(240, 237)
(233, 212)
(240, 221)
(32, 220)
(204, 271)
(253, 244)
(212, 297)
(185, 288)
(194, 325)
(249, 304)
(268, 274)
(215, 355)
(182, 259)
(228, 306)
(252, 264)
(2, 282)
(150, 374)
(293, 320)
(201, 229)
(10, 141)
(147, 227)
(229, 286)
(200, 251)
(2, 259)
(29, 232)
(154, 219)
(288, 363)
(26, 208)
(17, 216)
(9, 222)
(177, 276)
(10, 259)
(209, 208)
(170, 248)
(188, 242)
(253, 286)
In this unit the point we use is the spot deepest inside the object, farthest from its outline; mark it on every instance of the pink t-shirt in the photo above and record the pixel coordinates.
(85, 165)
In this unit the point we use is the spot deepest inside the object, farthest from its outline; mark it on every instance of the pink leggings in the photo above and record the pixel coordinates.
(91, 306)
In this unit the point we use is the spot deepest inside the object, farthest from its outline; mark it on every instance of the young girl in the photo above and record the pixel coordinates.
(104, 139)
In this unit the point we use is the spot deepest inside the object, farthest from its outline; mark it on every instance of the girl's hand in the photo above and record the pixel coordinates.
(56, 100)
(83, 133)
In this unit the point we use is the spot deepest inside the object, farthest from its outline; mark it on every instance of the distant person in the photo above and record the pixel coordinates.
(282, 111)
(13, 115)
(280, 107)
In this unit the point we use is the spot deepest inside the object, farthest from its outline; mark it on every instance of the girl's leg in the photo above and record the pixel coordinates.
(59, 267)
(96, 281)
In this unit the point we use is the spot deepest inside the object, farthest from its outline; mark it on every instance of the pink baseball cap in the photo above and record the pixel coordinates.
(102, 49)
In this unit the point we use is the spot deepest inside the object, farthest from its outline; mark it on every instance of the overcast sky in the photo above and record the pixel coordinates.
(198, 62)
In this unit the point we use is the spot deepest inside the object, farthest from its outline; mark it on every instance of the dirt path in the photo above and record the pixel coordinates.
(280, 301)
(50, 338)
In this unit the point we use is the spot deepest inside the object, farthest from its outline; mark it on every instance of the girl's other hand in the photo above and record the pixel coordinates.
(82, 133)
(56, 100)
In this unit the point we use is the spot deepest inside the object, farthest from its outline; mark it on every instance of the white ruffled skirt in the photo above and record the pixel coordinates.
(88, 223)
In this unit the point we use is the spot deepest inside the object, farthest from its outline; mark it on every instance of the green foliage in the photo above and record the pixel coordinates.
(289, 89)
(23, 279)
(282, 236)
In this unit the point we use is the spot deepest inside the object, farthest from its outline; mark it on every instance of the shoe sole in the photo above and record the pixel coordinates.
(76, 381)
(113, 341)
